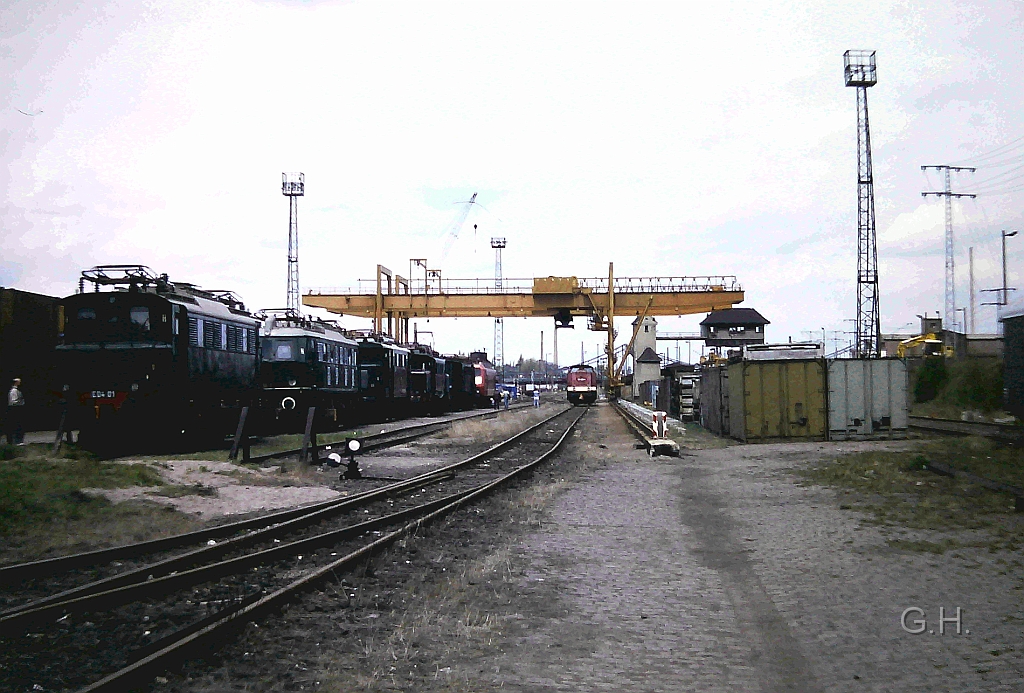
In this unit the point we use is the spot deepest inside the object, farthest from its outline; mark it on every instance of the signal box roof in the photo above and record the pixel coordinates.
(735, 316)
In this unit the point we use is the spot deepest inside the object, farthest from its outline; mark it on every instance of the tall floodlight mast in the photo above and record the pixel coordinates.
(859, 68)
(293, 185)
(499, 325)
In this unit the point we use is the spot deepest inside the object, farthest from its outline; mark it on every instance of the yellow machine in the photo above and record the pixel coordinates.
(932, 345)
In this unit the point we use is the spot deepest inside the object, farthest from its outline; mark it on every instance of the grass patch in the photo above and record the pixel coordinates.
(38, 487)
(895, 491)
(180, 490)
(923, 546)
(497, 428)
(44, 511)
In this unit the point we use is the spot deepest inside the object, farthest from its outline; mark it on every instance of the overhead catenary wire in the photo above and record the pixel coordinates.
(980, 159)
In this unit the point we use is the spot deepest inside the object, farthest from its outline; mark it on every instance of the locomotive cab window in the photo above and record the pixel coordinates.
(283, 352)
(86, 313)
(140, 316)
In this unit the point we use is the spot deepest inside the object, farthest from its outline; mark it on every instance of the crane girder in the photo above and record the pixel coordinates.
(632, 298)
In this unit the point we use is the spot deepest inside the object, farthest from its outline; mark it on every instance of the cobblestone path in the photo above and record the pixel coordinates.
(716, 572)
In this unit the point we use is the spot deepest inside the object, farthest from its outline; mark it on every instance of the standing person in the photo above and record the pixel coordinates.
(15, 414)
(536, 397)
(506, 397)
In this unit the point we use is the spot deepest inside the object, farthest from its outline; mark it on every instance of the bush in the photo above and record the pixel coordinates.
(931, 378)
(975, 384)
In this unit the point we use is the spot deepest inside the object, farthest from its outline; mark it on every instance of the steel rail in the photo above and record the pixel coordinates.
(1005, 432)
(377, 441)
(20, 572)
(203, 641)
(97, 593)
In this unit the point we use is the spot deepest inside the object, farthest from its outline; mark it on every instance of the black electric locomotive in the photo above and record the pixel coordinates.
(428, 381)
(305, 362)
(461, 383)
(141, 357)
(383, 379)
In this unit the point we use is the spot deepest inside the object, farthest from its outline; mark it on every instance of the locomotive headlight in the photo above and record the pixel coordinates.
(135, 387)
(353, 445)
(288, 403)
(292, 382)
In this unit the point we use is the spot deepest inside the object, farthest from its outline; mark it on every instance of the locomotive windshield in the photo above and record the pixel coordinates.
(277, 349)
(117, 317)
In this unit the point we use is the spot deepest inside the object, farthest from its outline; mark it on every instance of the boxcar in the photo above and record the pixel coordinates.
(29, 328)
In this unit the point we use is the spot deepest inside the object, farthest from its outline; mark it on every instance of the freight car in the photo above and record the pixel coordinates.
(140, 356)
(581, 385)
(29, 325)
(305, 362)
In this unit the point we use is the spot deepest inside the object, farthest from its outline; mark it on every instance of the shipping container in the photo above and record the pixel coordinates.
(867, 398)
(714, 399)
(777, 400)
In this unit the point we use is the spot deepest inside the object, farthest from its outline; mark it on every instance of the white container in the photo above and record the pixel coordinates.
(867, 398)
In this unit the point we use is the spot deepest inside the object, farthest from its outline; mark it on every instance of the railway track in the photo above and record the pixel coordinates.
(140, 621)
(385, 439)
(1004, 432)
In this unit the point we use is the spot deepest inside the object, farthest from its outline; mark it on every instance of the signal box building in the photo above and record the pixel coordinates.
(734, 327)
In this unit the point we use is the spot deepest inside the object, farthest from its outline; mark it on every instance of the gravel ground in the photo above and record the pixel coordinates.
(719, 570)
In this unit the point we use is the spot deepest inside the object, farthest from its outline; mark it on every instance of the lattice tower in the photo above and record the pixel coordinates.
(859, 68)
(949, 313)
(499, 325)
(293, 185)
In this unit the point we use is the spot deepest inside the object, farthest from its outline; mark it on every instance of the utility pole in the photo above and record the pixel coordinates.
(499, 325)
(1006, 297)
(293, 185)
(949, 316)
(859, 70)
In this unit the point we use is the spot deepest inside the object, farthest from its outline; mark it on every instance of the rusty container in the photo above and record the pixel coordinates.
(777, 400)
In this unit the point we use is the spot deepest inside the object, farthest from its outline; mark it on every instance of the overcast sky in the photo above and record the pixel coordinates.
(673, 139)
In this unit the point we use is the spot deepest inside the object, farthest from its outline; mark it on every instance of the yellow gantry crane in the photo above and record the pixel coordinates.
(395, 300)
